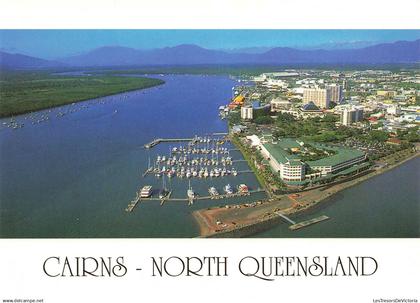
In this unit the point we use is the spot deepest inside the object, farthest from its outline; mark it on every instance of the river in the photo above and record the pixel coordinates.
(73, 175)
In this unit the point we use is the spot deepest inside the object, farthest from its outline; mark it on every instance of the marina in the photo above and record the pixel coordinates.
(204, 158)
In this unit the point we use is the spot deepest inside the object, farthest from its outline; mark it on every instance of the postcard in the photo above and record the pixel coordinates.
(127, 154)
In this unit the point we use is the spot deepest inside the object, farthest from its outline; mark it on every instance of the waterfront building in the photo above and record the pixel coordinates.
(286, 158)
(247, 113)
(236, 102)
(321, 97)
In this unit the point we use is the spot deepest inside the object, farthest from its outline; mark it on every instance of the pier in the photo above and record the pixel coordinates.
(296, 226)
(168, 140)
(163, 200)
(160, 140)
(285, 218)
(133, 203)
(224, 196)
(168, 198)
(308, 222)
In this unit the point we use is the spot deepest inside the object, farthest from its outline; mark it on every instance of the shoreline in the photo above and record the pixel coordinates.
(83, 99)
(262, 217)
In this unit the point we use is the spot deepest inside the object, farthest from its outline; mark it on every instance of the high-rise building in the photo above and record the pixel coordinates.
(336, 92)
(247, 112)
(321, 97)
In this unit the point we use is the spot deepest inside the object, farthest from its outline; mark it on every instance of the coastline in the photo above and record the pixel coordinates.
(48, 104)
(262, 217)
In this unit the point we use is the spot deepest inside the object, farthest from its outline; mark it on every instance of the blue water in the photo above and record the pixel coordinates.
(387, 206)
(73, 176)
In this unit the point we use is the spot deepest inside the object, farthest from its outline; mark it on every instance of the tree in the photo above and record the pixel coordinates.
(234, 118)
(378, 135)
(264, 120)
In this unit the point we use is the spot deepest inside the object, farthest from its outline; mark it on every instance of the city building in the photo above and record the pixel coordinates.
(351, 114)
(386, 93)
(394, 110)
(286, 158)
(278, 104)
(336, 93)
(247, 112)
(310, 110)
(321, 97)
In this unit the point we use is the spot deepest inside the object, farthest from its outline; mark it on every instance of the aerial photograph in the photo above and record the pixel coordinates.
(209, 133)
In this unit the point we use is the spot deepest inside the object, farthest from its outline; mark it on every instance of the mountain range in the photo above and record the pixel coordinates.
(186, 54)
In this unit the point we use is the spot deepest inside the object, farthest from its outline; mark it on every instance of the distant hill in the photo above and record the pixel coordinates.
(18, 61)
(398, 52)
(187, 54)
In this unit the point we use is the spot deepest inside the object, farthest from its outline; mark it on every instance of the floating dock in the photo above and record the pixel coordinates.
(160, 140)
(222, 196)
(168, 198)
(308, 222)
(167, 140)
(133, 203)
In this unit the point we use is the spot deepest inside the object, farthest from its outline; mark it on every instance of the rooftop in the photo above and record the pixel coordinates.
(278, 150)
(342, 155)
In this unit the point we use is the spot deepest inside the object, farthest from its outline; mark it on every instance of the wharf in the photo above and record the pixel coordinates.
(160, 140)
(133, 203)
(308, 222)
(168, 199)
(162, 201)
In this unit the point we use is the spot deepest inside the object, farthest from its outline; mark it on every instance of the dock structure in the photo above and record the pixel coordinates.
(168, 198)
(168, 140)
(147, 171)
(285, 217)
(160, 140)
(163, 200)
(308, 222)
(220, 134)
(133, 203)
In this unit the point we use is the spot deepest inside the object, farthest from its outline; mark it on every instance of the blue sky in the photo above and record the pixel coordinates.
(60, 43)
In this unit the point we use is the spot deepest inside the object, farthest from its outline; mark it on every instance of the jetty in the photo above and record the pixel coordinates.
(296, 226)
(308, 222)
(133, 203)
(285, 217)
(161, 140)
(163, 200)
(196, 139)
(168, 198)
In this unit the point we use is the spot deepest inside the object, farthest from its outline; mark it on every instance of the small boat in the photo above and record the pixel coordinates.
(213, 192)
(243, 189)
(190, 194)
(228, 189)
